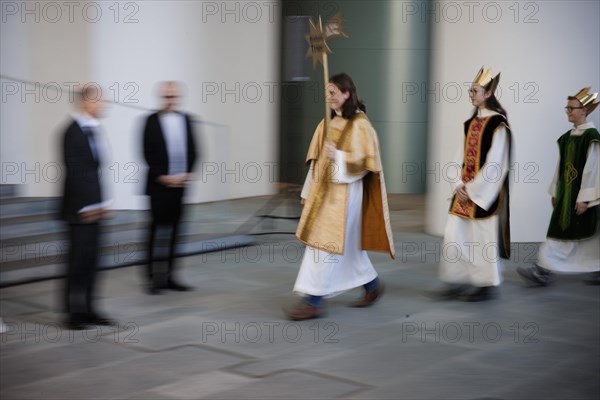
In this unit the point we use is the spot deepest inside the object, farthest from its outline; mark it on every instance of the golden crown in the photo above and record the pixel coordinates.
(587, 99)
(484, 78)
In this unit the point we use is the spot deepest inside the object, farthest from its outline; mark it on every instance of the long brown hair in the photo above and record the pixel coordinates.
(352, 103)
(492, 103)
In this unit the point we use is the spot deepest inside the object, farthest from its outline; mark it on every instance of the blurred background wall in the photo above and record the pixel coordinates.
(257, 99)
(385, 54)
(226, 54)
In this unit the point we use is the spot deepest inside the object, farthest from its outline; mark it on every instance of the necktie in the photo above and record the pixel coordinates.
(89, 133)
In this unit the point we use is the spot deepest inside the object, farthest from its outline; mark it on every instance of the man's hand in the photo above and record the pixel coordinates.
(93, 216)
(580, 208)
(174, 181)
(329, 149)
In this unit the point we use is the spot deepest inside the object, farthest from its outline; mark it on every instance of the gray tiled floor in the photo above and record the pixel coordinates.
(229, 338)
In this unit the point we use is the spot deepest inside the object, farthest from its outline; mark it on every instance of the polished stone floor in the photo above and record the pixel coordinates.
(229, 338)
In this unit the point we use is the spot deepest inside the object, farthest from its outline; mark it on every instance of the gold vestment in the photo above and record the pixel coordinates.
(323, 221)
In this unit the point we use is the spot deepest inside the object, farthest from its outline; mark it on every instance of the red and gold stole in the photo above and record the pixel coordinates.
(471, 166)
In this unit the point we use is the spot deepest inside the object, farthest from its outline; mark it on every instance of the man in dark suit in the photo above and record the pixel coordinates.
(83, 208)
(170, 152)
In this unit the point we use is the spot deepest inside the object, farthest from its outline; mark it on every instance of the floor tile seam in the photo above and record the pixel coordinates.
(146, 350)
(140, 355)
(73, 374)
(232, 369)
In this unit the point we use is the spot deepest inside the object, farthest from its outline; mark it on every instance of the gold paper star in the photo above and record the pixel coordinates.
(335, 26)
(316, 43)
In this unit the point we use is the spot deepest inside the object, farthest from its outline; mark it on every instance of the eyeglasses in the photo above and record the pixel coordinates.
(170, 97)
(568, 109)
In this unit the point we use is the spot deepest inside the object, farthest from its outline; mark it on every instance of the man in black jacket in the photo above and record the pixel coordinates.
(83, 208)
(170, 152)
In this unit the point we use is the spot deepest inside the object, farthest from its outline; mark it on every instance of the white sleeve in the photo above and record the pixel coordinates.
(308, 182)
(340, 172)
(590, 179)
(459, 155)
(552, 188)
(484, 188)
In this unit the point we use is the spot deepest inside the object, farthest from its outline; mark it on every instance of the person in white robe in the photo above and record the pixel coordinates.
(345, 207)
(324, 274)
(477, 233)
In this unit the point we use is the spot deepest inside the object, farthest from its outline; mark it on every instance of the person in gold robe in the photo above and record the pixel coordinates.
(345, 207)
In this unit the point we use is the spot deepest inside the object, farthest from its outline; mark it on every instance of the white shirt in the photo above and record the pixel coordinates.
(86, 121)
(98, 148)
(174, 132)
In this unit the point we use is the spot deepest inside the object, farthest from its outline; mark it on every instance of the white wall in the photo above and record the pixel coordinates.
(545, 51)
(127, 49)
(34, 49)
(12, 118)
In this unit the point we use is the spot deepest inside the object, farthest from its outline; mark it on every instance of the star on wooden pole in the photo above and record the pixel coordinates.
(317, 46)
(318, 50)
(317, 38)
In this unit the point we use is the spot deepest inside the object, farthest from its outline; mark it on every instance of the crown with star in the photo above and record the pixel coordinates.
(587, 99)
(484, 78)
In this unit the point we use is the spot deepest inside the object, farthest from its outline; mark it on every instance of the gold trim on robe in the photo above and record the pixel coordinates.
(471, 167)
(323, 221)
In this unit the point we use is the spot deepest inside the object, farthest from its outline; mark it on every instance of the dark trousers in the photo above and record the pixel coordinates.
(165, 208)
(81, 269)
(316, 301)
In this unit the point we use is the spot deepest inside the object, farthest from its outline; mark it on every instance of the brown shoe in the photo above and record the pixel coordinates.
(370, 297)
(302, 311)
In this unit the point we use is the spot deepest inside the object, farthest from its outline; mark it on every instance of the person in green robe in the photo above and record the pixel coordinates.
(572, 242)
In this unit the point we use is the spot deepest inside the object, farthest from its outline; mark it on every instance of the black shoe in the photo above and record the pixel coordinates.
(153, 289)
(593, 278)
(450, 292)
(178, 286)
(75, 326)
(97, 319)
(76, 322)
(483, 293)
(535, 276)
